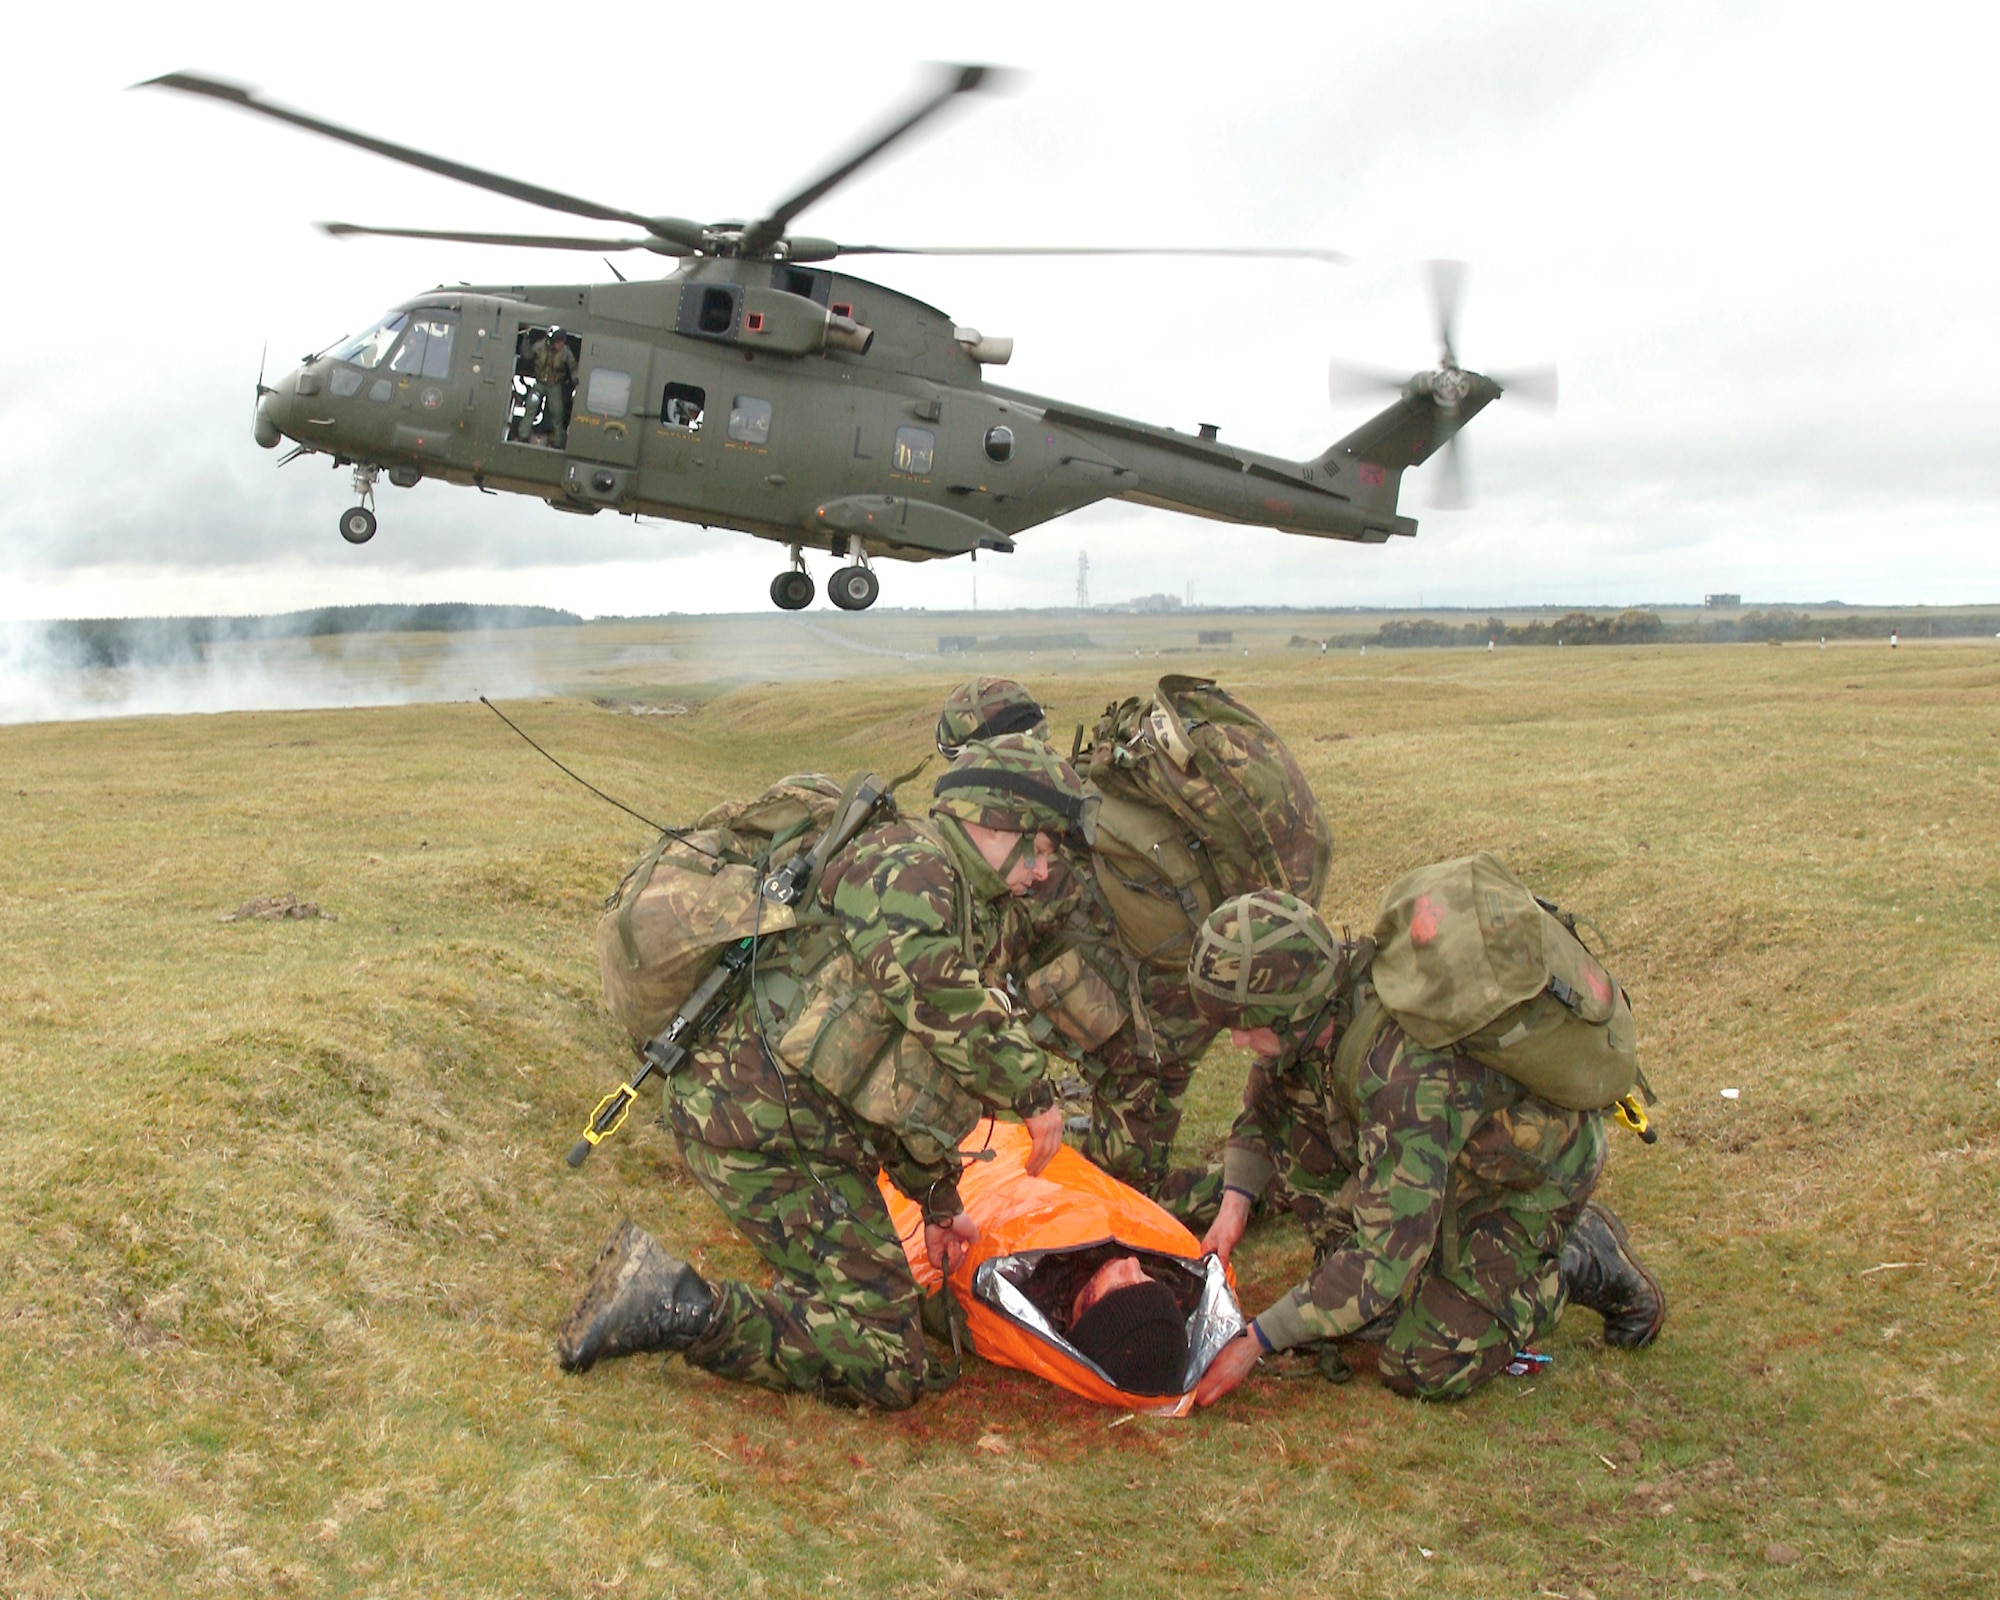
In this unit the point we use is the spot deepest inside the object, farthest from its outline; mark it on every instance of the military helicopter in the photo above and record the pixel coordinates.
(757, 390)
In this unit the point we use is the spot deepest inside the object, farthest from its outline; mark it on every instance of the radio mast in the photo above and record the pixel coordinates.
(1083, 580)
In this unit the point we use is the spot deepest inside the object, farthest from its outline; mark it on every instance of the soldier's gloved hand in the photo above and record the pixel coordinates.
(1045, 1128)
(1227, 1228)
(947, 1242)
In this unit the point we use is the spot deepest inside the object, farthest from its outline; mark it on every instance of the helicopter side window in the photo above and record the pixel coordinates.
(750, 420)
(916, 449)
(609, 392)
(426, 348)
(346, 383)
(682, 406)
(372, 346)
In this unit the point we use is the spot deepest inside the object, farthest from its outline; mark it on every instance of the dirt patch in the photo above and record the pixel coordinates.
(278, 908)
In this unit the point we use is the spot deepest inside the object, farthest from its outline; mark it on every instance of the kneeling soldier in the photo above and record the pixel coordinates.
(1450, 1208)
(870, 1039)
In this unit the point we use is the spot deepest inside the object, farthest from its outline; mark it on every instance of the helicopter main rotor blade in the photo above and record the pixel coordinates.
(531, 241)
(1333, 257)
(1536, 385)
(674, 228)
(1346, 379)
(1447, 282)
(951, 82)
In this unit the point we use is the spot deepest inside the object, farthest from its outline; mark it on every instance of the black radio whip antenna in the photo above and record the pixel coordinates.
(620, 804)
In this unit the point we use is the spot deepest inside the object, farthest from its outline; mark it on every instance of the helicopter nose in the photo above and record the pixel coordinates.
(264, 429)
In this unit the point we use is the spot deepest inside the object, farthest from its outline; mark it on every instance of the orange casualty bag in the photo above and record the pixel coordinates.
(1039, 1239)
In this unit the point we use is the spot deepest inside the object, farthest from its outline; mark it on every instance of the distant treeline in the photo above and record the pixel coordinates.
(152, 641)
(1646, 627)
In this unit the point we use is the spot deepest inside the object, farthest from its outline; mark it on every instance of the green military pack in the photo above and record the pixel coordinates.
(1202, 801)
(1467, 955)
(695, 892)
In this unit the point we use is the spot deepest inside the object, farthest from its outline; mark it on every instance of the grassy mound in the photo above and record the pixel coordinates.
(287, 1227)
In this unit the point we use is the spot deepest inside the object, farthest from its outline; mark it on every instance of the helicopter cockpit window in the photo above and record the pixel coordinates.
(750, 420)
(426, 349)
(916, 449)
(372, 346)
(682, 406)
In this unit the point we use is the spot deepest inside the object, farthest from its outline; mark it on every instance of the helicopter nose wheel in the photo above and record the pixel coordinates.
(357, 523)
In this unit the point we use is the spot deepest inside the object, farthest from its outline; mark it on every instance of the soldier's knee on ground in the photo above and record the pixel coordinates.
(1434, 1372)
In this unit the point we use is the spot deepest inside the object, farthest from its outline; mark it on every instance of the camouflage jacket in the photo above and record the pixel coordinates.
(892, 900)
(1438, 1143)
(1066, 912)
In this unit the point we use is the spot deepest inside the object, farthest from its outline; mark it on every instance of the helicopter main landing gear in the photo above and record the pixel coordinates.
(854, 588)
(357, 523)
(793, 590)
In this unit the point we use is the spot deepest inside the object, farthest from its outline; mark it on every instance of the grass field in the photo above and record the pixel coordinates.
(287, 1228)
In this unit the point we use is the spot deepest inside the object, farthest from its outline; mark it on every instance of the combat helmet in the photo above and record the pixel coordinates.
(1019, 785)
(1263, 960)
(985, 708)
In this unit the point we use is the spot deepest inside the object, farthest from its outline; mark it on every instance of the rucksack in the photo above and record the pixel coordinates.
(1202, 801)
(1467, 955)
(696, 891)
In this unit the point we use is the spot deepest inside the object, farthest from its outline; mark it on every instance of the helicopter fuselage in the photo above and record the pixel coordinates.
(804, 406)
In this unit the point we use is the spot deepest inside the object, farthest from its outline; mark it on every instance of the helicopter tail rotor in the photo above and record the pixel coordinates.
(1438, 403)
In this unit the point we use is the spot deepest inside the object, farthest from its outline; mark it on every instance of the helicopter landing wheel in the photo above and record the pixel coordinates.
(853, 588)
(792, 591)
(357, 524)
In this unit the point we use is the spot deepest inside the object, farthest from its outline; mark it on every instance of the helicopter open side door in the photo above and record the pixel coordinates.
(611, 396)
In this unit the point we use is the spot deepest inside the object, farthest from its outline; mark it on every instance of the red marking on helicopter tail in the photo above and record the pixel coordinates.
(1371, 476)
(1278, 507)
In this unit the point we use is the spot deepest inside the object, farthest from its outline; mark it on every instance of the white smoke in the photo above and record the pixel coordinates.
(46, 676)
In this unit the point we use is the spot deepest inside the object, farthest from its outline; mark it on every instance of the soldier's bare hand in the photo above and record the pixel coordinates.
(1230, 1367)
(1045, 1128)
(947, 1243)
(1227, 1228)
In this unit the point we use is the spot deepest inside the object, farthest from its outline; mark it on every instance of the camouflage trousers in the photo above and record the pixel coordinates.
(1134, 1116)
(1136, 1102)
(1492, 1286)
(842, 1316)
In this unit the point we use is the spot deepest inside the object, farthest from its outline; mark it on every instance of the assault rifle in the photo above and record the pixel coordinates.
(788, 885)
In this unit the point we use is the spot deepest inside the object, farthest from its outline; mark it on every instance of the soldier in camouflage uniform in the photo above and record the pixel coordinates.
(1139, 1075)
(1449, 1209)
(870, 1040)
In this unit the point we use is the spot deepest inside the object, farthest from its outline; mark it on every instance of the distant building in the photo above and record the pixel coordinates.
(1717, 602)
(1215, 636)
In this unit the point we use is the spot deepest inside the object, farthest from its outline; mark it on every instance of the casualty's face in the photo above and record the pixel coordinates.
(1120, 1272)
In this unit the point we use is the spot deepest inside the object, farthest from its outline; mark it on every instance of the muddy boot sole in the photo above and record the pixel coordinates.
(1623, 1340)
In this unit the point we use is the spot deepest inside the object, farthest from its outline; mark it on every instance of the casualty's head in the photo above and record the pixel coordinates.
(985, 708)
(1132, 1327)
(1015, 797)
(1262, 961)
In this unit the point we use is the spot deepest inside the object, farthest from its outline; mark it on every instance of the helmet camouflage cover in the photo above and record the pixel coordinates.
(1017, 784)
(1263, 960)
(985, 708)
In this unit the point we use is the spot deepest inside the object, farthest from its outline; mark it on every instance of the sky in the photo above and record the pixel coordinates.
(1756, 240)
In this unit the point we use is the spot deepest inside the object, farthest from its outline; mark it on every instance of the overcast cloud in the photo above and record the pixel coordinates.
(1756, 239)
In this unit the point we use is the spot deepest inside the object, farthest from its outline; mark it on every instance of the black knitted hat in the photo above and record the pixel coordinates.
(1138, 1336)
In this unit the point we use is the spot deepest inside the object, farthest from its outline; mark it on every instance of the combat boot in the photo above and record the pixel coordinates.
(1602, 1275)
(639, 1299)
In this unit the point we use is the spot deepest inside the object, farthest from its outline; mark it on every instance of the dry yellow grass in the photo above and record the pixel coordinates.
(287, 1226)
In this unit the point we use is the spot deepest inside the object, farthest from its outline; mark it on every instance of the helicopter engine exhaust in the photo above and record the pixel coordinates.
(988, 349)
(844, 333)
